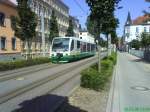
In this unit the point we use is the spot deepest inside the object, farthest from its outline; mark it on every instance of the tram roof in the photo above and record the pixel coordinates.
(75, 38)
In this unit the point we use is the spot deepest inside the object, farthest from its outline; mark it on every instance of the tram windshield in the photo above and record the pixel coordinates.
(61, 44)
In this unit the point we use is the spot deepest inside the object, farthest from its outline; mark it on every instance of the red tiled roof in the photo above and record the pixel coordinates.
(141, 19)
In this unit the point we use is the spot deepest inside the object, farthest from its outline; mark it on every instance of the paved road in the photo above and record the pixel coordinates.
(63, 79)
(131, 85)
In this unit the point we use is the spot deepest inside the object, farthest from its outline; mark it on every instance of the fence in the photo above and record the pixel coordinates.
(10, 57)
(20, 56)
(141, 54)
(147, 55)
(137, 53)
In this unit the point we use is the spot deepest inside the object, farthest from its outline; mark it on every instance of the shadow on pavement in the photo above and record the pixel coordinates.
(47, 103)
(141, 60)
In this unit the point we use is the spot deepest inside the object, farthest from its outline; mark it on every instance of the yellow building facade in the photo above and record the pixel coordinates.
(9, 44)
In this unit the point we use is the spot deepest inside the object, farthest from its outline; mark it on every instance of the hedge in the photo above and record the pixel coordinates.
(22, 63)
(91, 78)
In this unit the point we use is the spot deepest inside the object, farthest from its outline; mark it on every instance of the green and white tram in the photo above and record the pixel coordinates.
(67, 49)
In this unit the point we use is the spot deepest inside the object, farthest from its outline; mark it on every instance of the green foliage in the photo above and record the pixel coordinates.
(135, 44)
(102, 42)
(114, 38)
(92, 79)
(26, 22)
(91, 24)
(102, 18)
(102, 13)
(113, 58)
(54, 31)
(70, 31)
(22, 63)
(109, 26)
(145, 40)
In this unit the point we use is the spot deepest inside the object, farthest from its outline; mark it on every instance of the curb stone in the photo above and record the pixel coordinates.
(111, 93)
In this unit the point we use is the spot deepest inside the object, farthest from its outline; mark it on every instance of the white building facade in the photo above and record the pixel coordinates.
(134, 29)
(76, 25)
(85, 35)
(43, 9)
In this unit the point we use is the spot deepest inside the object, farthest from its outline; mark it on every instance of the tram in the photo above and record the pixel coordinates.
(67, 49)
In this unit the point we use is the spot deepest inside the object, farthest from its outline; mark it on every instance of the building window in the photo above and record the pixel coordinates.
(2, 19)
(127, 35)
(137, 30)
(13, 43)
(3, 43)
(72, 45)
(128, 30)
(144, 29)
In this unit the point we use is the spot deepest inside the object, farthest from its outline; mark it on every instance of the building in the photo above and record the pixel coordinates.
(85, 35)
(134, 28)
(10, 46)
(76, 25)
(43, 9)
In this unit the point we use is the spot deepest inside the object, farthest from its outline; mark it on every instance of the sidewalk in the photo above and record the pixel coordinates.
(130, 91)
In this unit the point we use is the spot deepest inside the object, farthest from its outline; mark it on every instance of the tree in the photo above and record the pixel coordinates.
(103, 43)
(135, 44)
(114, 39)
(109, 27)
(91, 24)
(25, 24)
(101, 12)
(145, 40)
(54, 32)
(70, 31)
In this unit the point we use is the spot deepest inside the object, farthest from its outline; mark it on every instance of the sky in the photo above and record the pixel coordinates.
(80, 9)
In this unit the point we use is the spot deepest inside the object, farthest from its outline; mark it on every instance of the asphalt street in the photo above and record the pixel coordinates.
(54, 82)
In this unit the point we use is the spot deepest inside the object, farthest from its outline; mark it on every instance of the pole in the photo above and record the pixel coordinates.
(99, 58)
(109, 44)
(43, 32)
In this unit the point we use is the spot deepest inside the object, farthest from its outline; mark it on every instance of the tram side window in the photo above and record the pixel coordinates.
(84, 47)
(81, 46)
(78, 44)
(72, 45)
(92, 47)
(88, 47)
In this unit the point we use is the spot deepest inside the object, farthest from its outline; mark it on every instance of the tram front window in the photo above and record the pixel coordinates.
(61, 44)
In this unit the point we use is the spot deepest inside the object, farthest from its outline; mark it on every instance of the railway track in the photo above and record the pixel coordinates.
(28, 71)
(2, 73)
(68, 74)
(19, 91)
(13, 74)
